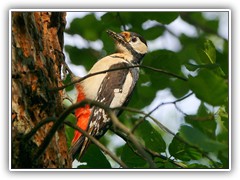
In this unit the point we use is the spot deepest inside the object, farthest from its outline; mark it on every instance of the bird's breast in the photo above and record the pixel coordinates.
(92, 84)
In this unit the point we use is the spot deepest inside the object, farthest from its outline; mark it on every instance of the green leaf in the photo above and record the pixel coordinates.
(131, 159)
(85, 57)
(207, 58)
(69, 131)
(161, 59)
(161, 17)
(204, 121)
(223, 117)
(66, 81)
(224, 158)
(178, 87)
(162, 163)
(223, 60)
(151, 137)
(88, 27)
(198, 20)
(111, 20)
(166, 17)
(197, 166)
(94, 158)
(210, 51)
(189, 49)
(153, 32)
(207, 54)
(183, 151)
(136, 19)
(196, 138)
(193, 67)
(209, 87)
(144, 92)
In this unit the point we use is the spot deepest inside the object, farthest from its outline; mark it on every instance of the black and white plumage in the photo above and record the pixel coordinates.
(113, 88)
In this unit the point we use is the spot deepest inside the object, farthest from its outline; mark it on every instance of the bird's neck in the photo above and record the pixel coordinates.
(123, 55)
(129, 57)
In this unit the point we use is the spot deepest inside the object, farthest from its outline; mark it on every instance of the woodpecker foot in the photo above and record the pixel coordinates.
(65, 68)
(67, 100)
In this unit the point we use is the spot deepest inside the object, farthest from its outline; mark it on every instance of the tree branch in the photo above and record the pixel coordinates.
(27, 136)
(59, 121)
(156, 121)
(164, 72)
(160, 125)
(153, 153)
(115, 69)
(132, 138)
(156, 154)
(166, 129)
(98, 143)
(171, 102)
(116, 123)
(56, 125)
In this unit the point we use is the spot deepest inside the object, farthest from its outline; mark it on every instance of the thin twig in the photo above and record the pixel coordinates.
(132, 138)
(153, 153)
(160, 125)
(195, 22)
(27, 136)
(115, 69)
(161, 104)
(121, 21)
(164, 72)
(98, 143)
(59, 121)
(167, 130)
(180, 110)
(56, 125)
(171, 102)
(156, 154)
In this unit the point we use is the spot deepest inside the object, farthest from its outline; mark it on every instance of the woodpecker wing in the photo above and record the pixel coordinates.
(115, 91)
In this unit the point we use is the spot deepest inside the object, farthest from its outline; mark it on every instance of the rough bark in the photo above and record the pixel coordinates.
(37, 40)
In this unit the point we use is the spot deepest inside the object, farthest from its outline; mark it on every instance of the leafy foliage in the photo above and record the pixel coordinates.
(202, 59)
(132, 159)
(95, 158)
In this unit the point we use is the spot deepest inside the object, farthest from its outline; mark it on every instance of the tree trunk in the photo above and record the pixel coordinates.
(37, 43)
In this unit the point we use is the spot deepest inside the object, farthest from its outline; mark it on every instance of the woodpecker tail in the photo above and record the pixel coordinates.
(75, 148)
(83, 115)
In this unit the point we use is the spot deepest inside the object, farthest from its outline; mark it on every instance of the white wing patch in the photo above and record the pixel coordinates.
(91, 85)
(120, 95)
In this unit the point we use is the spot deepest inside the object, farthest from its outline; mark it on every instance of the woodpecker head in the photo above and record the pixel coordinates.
(130, 43)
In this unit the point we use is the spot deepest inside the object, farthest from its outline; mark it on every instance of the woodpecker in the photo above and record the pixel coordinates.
(113, 88)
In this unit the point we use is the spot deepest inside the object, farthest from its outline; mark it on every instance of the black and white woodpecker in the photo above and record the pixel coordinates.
(113, 88)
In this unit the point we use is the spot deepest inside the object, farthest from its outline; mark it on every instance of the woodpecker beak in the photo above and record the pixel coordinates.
(129, 42)
(119, 38)
(122, 39)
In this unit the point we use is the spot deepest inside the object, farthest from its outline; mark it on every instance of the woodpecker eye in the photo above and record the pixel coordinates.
(134, 39)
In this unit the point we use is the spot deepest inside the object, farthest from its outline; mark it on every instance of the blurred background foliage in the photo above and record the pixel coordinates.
(188, 44)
